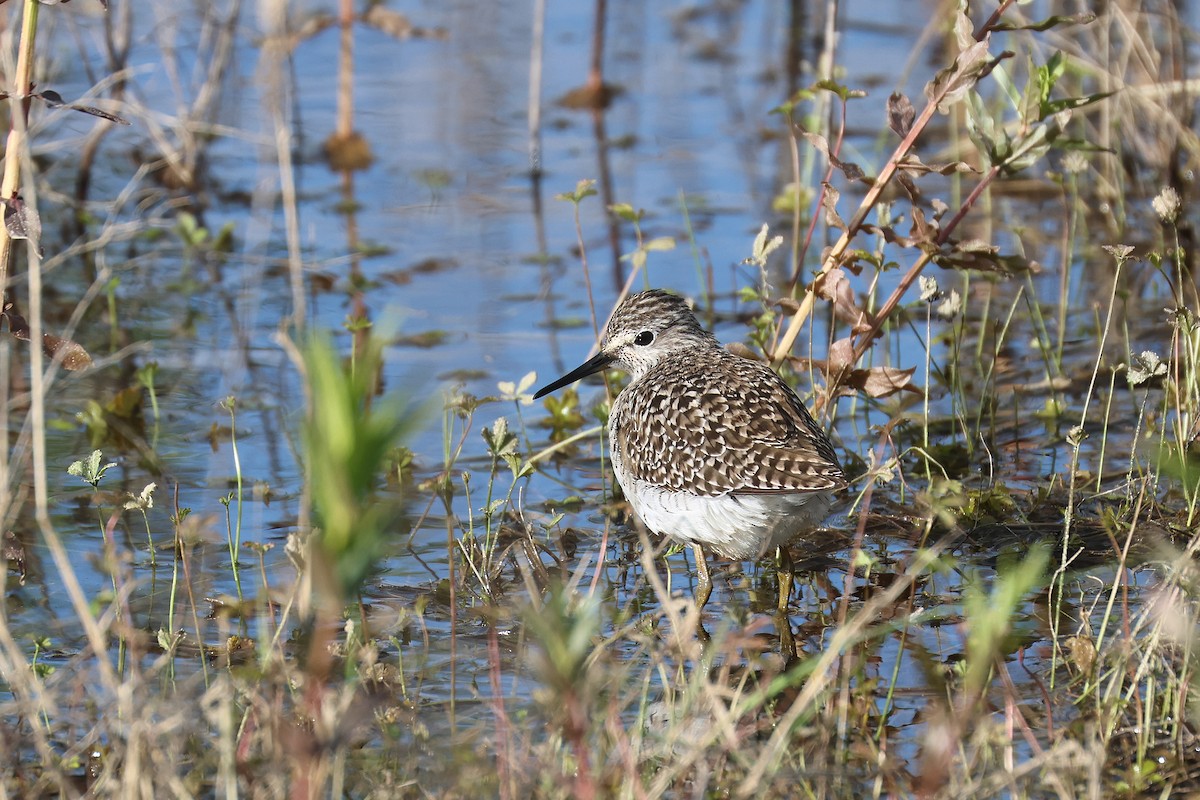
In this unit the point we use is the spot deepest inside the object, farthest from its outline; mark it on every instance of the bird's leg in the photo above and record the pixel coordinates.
(783, 561)
(703, 580)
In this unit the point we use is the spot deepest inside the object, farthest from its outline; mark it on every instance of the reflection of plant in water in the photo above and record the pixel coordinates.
(932, 629)
(954, 496)
(564, 417)
(1039, 126)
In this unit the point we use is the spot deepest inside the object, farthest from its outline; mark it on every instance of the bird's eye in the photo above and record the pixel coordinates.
(644, 338)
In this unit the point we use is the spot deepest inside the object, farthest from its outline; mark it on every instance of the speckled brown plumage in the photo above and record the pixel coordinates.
(708, 422)
(710, 448)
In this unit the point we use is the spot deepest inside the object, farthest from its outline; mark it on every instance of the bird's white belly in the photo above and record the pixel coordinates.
(738, 526)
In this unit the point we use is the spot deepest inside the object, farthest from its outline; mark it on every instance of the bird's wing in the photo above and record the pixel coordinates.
(737, 429)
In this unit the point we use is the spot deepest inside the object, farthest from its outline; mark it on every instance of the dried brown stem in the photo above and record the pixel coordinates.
(869, 201)
(10, 185)
(915, 270)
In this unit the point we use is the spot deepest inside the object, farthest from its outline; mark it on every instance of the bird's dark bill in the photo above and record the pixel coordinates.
(589, 367)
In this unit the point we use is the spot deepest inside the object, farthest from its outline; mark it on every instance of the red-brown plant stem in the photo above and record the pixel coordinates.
(893, 300)
(575, 727)
(852, 229)
(868, 203)
(943, 236)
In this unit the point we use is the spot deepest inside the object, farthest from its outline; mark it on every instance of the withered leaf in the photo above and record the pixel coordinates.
(21, 221)
(841, 356)
(826, 252)
(54, 100)
(923, 232)
(891, 237)
(816, 140)
(882, 381)
(900, 114)
(852, 171)
(829, 203)
(835, 287)
(971, 64)
(964, 31)
(852, 259)
(1084, 18)
(787, 305)
(845, 380)
(984, 260)
(912, 163)
(909, 186)
(72, 354)
(952, 84)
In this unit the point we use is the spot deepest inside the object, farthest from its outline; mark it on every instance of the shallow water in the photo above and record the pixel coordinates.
(453, 225)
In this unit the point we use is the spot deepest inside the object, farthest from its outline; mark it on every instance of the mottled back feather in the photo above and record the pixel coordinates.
(698, 419)
(709, 422)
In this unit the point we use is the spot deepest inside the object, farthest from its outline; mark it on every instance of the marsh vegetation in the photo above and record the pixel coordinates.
(281, 518)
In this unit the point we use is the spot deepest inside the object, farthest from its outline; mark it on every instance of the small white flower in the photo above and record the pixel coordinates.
(1121, 252)
(1145, 366)
(1074, 162)
(951, 306)
(518, 392)
(929, 288)
(763, 247)
(143, 501)
(1166, 205)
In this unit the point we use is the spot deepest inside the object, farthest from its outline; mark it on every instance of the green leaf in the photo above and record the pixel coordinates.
(844, 92)
(981, 125)
(1047, 23)
(989, 615)
(584, 188)
(626, 212)
(349, 436)
(1029, 149)
(1053, 107)
(90, 470)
